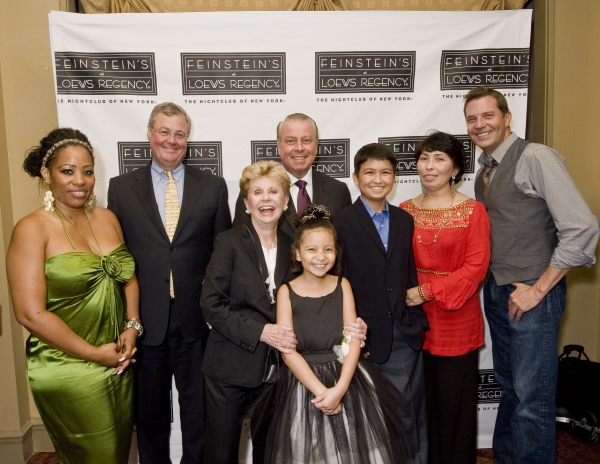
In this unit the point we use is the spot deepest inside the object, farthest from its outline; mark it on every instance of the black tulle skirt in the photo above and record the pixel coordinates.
(369, 429)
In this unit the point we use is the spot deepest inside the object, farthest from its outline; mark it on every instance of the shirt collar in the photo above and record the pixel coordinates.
(499, 152)
(307, 178)
(176, 173)
(371, 211)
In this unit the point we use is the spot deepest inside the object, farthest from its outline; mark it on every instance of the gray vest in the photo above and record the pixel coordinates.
(523, 233)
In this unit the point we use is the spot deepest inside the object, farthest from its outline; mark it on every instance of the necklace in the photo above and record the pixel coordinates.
(61, 215)
(437, 234)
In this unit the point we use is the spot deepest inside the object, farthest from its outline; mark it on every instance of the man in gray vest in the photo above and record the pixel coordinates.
(540, 228)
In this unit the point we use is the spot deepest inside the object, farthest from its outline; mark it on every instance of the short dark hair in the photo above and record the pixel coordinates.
(480, 92)
(314, 217)
(377, 151)
(446, 143)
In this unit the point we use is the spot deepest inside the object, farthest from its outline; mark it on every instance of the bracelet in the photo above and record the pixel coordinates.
(422, 294)
(134, 323)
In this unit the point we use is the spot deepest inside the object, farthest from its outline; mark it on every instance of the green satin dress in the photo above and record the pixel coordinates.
(86, 409)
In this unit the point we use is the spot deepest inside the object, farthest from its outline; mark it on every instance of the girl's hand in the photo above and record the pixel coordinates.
(280, 337)
(329, 401)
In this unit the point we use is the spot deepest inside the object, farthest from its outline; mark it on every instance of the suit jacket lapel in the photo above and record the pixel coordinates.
(192, 188)
(251, 242)
(145, 192)
(284, 245)
(394, 230)
(286, 222)
(366, 222)
(320, 192)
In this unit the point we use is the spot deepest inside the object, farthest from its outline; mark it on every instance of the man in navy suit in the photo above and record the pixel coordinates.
(378, 261)
(170, 271)
(297, 144)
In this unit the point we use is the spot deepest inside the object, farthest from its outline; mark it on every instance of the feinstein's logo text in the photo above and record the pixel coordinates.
(332, 155)
(233, 73)
(206, 156)
(105, 73)
(359, 72)
(404, 149)
(497, 68)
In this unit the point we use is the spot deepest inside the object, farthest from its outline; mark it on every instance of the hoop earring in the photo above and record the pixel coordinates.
(453, 186)
(91, 203)
(48, 202)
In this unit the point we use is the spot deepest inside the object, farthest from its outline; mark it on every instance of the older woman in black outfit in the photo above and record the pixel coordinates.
(248, 265)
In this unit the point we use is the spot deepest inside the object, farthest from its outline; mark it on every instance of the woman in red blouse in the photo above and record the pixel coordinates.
(451, 245)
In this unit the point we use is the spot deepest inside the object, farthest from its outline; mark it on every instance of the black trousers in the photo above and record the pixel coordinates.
(225, 408)
(155, 368)
(451, 388)
(404, 368)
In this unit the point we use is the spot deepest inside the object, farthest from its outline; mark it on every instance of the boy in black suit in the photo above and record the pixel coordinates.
(378, 261)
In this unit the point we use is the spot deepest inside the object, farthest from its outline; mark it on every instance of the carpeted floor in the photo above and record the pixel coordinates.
(569, 450)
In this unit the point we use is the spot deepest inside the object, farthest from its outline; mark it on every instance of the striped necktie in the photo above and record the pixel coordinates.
(486, 174)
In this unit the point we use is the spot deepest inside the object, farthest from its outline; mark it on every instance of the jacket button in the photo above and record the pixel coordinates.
(389, 314)
(390, 289)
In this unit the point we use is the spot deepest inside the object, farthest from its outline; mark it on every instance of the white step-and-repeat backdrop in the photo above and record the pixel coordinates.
(363, 76)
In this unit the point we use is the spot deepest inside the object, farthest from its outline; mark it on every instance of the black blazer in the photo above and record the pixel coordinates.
(234, 302)
(327, 191)
(204, 214)
(380, 279)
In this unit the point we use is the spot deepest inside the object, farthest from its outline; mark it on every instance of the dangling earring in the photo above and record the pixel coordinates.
(91, 203)
(453, 186)
(423, 189)
(49, 202)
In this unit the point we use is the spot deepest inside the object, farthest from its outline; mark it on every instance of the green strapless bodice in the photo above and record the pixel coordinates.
(86, 410)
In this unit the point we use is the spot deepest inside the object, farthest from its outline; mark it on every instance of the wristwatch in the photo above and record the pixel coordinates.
(136, 324)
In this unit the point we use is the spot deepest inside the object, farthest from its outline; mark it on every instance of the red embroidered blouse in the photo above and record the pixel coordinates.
(452, 254)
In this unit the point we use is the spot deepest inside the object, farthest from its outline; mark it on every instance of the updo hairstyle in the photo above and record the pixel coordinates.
(314, 217)
(52, 144)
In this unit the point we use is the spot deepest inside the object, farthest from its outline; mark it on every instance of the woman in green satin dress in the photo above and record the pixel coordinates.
(73, 287)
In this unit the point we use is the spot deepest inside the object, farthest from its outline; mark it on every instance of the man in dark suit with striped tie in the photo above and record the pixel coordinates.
(170, 214)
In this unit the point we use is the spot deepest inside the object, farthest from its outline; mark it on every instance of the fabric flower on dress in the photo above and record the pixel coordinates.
(343, 349)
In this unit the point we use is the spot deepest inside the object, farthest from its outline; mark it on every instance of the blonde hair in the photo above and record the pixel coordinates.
(265, 168)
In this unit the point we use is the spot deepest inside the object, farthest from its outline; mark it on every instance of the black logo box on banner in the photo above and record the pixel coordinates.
(233, 73)
(206, 156)
(364, 72)
(333, 155)
(506, 68)
(404, 149)
(105, 73)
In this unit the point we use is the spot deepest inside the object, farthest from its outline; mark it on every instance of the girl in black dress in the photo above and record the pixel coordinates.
(328, 405)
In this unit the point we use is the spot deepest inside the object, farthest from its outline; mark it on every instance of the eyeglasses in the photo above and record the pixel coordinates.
(179, 136)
